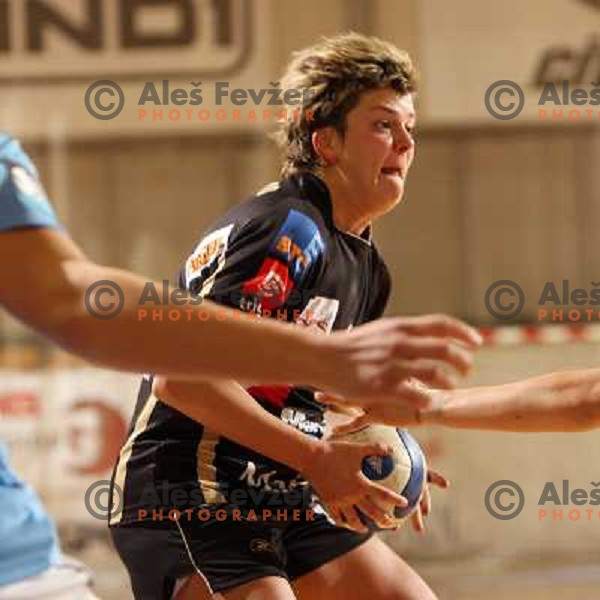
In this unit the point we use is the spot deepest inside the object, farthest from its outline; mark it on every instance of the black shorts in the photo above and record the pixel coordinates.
(227, 553)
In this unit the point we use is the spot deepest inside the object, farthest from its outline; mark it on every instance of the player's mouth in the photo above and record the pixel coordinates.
(393, 172)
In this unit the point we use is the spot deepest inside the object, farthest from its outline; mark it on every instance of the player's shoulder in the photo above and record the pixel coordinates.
(14, 161)
(7, 143)
(296, 205)
(281, 220)
(12, 153)
(300, 203)
(23, 201)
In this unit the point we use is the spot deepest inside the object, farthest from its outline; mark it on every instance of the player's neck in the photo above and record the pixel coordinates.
(348, 214)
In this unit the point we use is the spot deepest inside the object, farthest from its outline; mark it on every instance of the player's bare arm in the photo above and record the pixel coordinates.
(561, 401)
(365, 361)
(51, 264)
(48, 285)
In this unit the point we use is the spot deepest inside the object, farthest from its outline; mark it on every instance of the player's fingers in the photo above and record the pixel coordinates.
(443, 326)
(351, 426)
(417, 521)
(372, 449)
(439, 349)
(382, 496)
(336, 402)
(429, 372)
(352, 520)
(436, 478)
(425, 503)
(379, 516)
(410, 391)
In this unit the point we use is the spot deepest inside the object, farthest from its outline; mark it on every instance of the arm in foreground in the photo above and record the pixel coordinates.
(49, 277)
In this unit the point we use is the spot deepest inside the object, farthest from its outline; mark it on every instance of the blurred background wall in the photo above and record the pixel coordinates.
(487, 200)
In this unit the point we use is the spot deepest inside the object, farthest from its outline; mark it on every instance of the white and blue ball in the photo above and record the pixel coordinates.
(404, 471)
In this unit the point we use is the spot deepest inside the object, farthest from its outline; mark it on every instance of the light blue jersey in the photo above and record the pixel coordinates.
(28, 541)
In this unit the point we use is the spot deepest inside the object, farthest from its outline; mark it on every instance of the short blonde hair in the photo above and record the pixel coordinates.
(331, 76)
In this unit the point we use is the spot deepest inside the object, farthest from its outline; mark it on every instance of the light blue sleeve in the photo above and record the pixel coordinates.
(29, 544)
(23, 201)
(28, 541)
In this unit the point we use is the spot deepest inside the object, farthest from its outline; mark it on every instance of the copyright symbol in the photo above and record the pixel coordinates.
(501, 107)
(97, 304)
(101, 99)
(496, 303)
(500, 507)
(98, 509)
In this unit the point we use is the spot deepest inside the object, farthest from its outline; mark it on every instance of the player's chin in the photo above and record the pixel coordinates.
(391, 196)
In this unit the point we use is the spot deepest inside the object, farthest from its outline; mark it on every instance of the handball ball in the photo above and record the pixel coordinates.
(404, 471)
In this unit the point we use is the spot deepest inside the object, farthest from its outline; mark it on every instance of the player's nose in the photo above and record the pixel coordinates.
(403, 140)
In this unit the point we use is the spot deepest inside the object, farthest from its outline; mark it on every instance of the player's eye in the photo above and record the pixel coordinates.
(411, 130)
(383, 124)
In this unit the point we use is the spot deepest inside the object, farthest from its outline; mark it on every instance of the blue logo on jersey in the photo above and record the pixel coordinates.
(298, 244)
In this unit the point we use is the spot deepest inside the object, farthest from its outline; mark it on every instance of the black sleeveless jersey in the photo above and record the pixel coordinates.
(277, 255)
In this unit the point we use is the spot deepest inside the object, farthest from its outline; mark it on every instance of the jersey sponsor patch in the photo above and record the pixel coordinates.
(275, 395)
(298, 244)
(320, 313)
(208, 259)
(310, 422)
(271, 286)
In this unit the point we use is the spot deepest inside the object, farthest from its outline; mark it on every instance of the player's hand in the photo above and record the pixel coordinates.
(376, 359)
(335, 472)
(403, 410)
(424, 508)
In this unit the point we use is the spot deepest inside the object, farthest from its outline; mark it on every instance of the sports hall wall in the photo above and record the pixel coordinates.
(487, 200)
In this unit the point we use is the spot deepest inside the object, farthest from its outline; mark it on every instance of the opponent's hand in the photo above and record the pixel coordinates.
(376, 359)
(403, 410)
(336, 476)
(424, 508)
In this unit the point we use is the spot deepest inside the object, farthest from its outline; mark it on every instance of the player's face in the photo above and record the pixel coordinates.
(377, 149)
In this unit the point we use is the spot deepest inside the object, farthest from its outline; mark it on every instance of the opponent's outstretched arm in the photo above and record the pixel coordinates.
(561, 401)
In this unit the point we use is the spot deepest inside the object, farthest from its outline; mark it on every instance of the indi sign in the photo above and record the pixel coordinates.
(74, 39)
(64, 62)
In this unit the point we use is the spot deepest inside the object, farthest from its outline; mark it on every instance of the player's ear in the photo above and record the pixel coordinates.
(326, 145)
